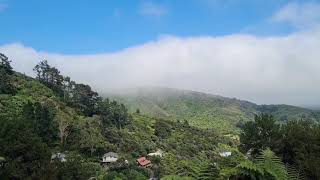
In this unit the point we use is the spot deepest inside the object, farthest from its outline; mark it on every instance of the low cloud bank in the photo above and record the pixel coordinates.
(262, 69)
(273, 69)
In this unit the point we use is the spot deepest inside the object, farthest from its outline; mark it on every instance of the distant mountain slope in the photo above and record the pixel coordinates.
(203, 110)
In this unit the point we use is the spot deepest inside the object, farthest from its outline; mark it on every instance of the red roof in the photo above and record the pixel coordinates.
(143, 161)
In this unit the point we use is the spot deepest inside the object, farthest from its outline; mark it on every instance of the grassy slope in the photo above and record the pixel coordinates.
(204, 110)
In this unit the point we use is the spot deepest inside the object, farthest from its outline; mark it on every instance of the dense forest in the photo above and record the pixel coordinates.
(52, 127)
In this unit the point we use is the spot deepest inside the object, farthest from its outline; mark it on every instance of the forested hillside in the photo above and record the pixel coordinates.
(55, 128)
(204, 110)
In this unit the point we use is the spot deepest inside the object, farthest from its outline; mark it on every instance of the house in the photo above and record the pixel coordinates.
(249, 153)
(158, 153)
(2, 161)
(225, 153)
(59, 156)
(144, 162)
(110, 157)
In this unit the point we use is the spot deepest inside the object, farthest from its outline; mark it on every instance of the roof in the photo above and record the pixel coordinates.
(111, 154)
(60, 156)
(225, 153)
(157, 153)
(143, 161)
(2, 158)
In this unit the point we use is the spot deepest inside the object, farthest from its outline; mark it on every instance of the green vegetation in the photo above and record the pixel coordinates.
(53, 128)
(297, 143)
(204, 110)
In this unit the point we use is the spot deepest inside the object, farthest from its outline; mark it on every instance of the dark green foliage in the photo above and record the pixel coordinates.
(199, 168)
(85, 99)
(44, 125)
(210, 172)
(266, 166)
(259, 134)
(296, 142)
(27, 156)
(6, 72)
(162, 129)
(301, 147)
(50, 76)
(80, 96)
(6, 86)
(74, 168)
(5, 64)
(113, 114)
(174, 177)
(127, 172)
(42, 122)
(294, 173)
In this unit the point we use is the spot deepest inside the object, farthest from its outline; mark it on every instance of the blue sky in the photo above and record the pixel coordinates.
(96, 26)
(265, 51)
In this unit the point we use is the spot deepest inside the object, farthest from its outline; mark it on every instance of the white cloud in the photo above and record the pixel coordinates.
(152, 9)
(272, 69)
(303, 15)
(266, 70)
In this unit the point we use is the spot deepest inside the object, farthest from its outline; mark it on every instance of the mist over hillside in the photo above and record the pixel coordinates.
(160, 90)
(203, 110)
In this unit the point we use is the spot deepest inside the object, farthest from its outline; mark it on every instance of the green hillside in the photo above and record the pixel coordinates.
(36, 123)
(55, 128)
(204, 110)
(50, 114)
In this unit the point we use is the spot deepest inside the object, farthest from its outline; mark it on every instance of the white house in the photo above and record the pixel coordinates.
(59, 156)
(225, 153)
(2, 161)
(110, 157)
(157, 153)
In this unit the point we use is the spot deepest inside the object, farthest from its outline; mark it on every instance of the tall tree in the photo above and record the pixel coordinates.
(65, 123)
(91, 137)
(6, 71)
(85, 99)
(301, 146)
(6, 64)
(260, 134)
(44, 124)
(50, 76)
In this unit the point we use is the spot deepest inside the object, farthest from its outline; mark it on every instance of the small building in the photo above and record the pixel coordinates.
(59, 157)
(225, 154)
(144, 162)
(110, 157)
(158, 153)
(2, 161)
(249, 153)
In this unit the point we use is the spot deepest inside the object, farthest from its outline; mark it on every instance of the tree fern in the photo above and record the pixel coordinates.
(208, 172)
(294, 173)
(198, 168)
(272, 165)
(250, 170)
(267, 166)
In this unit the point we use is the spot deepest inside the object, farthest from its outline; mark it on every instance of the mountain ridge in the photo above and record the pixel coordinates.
(202, 109)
